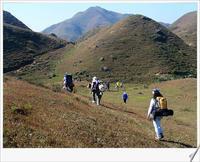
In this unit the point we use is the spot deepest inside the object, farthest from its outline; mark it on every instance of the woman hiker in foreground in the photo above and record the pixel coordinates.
(151, 114)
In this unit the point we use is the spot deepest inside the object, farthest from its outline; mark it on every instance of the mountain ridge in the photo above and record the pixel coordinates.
(186, 28)
(105, 52)
(73, 28)
(21, 44)
(8, 18)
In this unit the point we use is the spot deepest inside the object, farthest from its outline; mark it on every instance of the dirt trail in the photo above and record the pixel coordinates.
(112, 107)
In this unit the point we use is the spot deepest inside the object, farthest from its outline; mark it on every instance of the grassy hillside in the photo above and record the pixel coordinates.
(39, 117)
(136, 49)
(21, 46)
(42, 70)
(186, 28)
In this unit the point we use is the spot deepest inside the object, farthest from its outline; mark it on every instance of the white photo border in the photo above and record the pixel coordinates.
(99, 154)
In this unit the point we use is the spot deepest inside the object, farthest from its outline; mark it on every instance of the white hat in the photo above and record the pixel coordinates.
(94, 78)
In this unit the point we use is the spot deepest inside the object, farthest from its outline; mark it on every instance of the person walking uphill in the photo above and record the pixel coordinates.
(124, 97)
(68, 82)
(96, 93)
(153, 107)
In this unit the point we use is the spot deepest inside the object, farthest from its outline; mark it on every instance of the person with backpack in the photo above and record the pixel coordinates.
(97, 92)
(68, 82)
(117, 85)
(124, 97)
(153, 108)
(108, 85)
(94, 88)
(101, 88)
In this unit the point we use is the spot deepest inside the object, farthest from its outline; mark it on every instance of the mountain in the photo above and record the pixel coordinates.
(136, 49)
(21, 45)
(186, 28)
(82, 22)
(8, 18)
(167, 25)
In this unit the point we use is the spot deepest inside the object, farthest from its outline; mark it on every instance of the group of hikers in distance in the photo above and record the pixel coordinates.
(156, 111)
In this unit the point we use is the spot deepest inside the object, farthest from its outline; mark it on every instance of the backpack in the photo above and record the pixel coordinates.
(125, 96)
(68, 80)
(101, 87)
(162, 102)
(95, 86)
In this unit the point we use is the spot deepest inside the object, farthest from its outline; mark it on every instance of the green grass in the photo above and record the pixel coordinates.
(132, 62)
(183, 102)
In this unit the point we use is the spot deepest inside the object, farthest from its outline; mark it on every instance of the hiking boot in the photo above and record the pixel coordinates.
(161, 135)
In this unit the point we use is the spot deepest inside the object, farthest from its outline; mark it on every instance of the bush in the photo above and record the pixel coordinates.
(23, 110)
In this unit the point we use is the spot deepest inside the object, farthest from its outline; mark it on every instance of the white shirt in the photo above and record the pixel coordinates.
(152, 106)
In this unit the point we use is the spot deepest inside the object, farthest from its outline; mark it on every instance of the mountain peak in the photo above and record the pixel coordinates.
(186, 28)
(125, 46)
(8, 18)
(72, 29)
(95, 8)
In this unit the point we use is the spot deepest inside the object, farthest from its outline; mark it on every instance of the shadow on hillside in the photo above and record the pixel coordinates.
(122, 110)
(180, 143)
(109, 107)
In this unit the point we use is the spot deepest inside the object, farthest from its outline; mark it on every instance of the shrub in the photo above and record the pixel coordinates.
(23, 110)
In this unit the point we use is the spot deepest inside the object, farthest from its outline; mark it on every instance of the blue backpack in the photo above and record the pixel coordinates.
(125, 96)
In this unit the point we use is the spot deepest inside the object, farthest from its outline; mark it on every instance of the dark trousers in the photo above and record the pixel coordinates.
(96, 95)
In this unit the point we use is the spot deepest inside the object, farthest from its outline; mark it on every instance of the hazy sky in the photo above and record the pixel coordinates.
(38, 16)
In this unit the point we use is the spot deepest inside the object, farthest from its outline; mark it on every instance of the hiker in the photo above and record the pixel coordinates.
(95, 90)
(124, 97)
(122, 86)
(117, 85)
(151, 114)
(89, 85)
(108, 85)
(68, 82)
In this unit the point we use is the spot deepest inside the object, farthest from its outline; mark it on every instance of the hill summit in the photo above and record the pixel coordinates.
(186, 28)
(82, 22)
(8, 18)
(134, 49)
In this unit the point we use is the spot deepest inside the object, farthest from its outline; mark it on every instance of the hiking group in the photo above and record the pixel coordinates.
(156, 111)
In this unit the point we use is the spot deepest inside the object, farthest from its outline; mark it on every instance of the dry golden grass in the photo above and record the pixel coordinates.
(69, 120)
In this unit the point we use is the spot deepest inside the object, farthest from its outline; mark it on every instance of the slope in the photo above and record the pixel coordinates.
(21, 45)
(186, 28)
(82, 22)
(136, 49)
(53, 119)
(8, 18)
